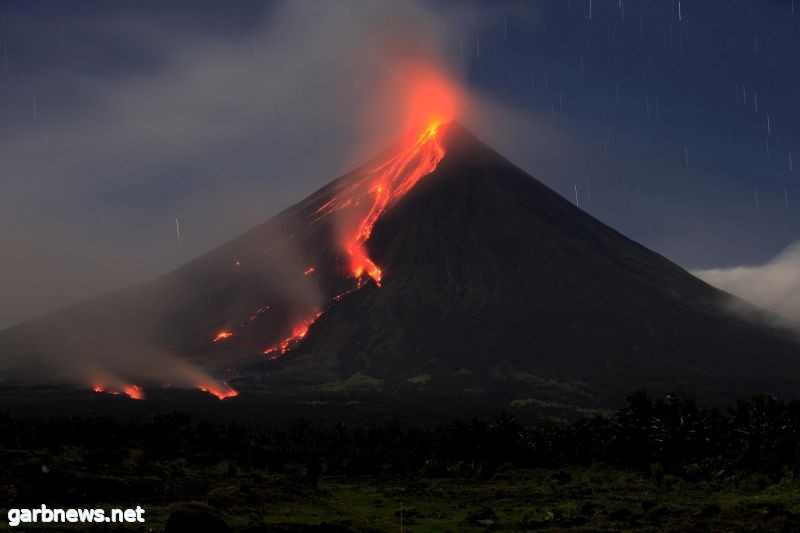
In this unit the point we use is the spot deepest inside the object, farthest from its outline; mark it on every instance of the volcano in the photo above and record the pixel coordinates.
(439, 269)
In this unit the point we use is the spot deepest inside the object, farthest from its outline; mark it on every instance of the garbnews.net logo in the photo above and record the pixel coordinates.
(17, 517)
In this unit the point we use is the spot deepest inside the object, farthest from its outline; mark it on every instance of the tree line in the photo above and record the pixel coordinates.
(757, 435)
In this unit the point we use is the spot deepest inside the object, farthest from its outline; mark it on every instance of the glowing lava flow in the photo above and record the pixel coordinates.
(389, 182)
(222, 335)
(298, 333)
(379, 189)
(134, 392)
(221, 394)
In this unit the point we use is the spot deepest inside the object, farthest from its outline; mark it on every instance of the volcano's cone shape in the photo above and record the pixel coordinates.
(491, 286)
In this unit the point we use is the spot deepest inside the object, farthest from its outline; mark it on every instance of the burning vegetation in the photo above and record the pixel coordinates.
(221, 393)
(134, 392)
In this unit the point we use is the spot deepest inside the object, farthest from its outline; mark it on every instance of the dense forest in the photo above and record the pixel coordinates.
(177, 458)
(759, 435)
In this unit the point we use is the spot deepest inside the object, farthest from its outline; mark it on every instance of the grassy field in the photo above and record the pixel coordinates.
(662, 465)
(519, 500)
(589, 499)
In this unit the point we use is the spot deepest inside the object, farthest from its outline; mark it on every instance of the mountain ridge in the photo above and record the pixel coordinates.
(492, 284)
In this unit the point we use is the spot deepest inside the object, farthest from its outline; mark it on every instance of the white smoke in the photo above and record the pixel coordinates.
(774, 285)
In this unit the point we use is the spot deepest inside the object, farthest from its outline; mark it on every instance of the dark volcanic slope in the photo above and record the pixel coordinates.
(491, 273)
(495, 287)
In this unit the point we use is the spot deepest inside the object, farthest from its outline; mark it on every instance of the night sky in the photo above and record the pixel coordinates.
(675, 122)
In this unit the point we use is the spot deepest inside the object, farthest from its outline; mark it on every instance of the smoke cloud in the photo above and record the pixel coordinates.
(219, 130)
(774, 285)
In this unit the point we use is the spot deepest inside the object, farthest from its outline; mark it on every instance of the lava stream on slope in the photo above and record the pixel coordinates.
(379, 189)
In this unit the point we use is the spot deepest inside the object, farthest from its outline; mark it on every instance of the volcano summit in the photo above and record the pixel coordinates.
(438, 270)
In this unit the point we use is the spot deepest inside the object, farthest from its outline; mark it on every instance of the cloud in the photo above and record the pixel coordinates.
(216, 130)
(774, 286)
(221, 130)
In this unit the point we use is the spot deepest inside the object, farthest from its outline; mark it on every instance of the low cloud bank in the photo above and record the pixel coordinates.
(774, 285)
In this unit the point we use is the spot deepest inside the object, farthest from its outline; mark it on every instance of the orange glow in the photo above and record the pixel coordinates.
(378, 189)
(222, 335)
(219, 392)
(426, 99)
(386, 184)
(431, 98)
(134, 392)
(255, 315)
(412, 95)
(298, 333)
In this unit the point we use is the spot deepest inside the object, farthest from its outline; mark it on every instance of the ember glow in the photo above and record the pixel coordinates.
(298, 333)
(258, 312)
(308, 271)
(222, 335)
(221, 393)
(134, 392)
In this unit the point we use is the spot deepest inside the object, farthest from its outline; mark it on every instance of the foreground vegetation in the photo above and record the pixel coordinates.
(660, 465)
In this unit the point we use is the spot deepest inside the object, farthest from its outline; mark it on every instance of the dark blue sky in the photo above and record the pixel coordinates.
(673, 121)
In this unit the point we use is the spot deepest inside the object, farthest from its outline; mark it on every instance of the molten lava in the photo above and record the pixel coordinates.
(220, 393)
(222, 335)
(134, 392)
(366, 199)
(379, 189)
(298, 333)
(388, 183)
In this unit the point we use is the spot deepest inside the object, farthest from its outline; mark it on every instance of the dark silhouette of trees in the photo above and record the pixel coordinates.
(671, 435)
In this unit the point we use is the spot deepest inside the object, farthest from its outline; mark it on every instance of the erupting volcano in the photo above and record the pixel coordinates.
(437, 269)
(358, 207)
